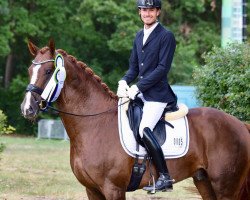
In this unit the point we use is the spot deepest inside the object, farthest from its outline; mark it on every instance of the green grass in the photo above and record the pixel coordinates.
(32, 169)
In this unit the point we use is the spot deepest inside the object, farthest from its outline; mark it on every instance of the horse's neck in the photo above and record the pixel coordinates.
(85, 99)
(83, 95)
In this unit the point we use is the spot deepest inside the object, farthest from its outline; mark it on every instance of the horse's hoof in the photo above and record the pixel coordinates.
(151, 192)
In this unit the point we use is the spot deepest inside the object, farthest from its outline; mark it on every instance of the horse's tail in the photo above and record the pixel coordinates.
(245, 190)
(248, 127)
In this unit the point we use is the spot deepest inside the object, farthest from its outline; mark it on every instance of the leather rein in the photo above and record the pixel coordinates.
(44, 105)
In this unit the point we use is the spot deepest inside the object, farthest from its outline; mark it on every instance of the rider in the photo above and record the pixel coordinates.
(150, 62)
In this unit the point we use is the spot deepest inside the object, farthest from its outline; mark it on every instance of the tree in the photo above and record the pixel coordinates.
(36, 20)
(223, 81)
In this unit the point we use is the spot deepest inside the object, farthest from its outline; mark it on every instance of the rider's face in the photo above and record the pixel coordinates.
(149, 16)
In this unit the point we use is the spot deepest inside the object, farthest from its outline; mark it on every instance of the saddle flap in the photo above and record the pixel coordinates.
(134, 113)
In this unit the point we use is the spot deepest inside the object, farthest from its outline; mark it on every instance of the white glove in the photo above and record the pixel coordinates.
(122, 89)
(133, 91)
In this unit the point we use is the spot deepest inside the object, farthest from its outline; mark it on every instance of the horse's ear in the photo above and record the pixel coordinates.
(32, 48)
(52, 47)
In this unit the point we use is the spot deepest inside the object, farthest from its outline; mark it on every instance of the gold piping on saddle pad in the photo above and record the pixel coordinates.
(181, 112)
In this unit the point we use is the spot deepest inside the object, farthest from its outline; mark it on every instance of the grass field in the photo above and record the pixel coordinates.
(32, 169)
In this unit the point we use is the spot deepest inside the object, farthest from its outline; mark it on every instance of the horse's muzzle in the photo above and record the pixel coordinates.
(30, 107)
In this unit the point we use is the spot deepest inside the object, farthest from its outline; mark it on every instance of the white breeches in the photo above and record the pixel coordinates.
(152, 112)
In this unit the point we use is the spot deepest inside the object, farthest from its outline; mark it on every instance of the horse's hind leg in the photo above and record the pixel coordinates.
(203, 185)
(94, 194)
(227, 187)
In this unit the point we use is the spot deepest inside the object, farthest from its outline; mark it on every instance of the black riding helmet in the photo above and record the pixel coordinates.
(149, 4)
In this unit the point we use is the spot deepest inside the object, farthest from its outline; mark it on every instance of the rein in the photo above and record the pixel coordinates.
(43, 105)
(89, 115)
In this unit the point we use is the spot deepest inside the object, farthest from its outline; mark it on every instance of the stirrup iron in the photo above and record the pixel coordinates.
(153, 181)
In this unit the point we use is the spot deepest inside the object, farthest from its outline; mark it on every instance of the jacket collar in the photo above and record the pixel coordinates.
(152, 35)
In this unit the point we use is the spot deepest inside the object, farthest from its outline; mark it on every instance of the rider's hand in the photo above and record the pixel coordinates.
(133, 91)
(122, 89)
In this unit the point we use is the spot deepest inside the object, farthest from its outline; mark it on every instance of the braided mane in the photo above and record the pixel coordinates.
(86, 69)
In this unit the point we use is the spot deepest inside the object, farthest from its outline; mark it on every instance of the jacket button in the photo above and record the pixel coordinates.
(142, 51)
(142, 64)
(141, 77)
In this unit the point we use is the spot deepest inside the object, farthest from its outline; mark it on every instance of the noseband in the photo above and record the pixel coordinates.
(33, 88)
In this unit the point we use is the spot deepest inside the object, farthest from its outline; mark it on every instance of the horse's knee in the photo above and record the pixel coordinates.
(94, 194)
(112, 192)
(115, 194)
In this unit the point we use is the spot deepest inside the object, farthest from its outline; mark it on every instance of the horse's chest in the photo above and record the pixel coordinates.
(83, 168)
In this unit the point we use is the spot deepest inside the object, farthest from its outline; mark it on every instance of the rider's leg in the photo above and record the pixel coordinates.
(152, 111)
(164, 182)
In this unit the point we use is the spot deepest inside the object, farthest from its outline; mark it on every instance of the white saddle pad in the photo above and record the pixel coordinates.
(177, 138)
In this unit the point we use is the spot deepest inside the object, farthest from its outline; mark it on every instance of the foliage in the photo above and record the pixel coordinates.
(105, 30)
(223, 81)
(5, 32)
(4, 128)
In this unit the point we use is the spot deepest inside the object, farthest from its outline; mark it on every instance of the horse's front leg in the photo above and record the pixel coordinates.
(112, 192)
(94, 194)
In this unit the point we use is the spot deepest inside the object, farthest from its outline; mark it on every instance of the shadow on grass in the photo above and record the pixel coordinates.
(2, 147)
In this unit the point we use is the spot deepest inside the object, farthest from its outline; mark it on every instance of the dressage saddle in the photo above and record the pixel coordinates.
(134, 114)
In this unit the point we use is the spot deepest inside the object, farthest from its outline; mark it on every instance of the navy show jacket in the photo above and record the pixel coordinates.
(151, 62)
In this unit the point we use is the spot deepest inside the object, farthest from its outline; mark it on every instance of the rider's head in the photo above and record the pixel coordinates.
(149, 4)
(149, 11)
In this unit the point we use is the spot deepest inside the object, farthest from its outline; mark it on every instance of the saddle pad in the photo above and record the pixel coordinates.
(177, 138)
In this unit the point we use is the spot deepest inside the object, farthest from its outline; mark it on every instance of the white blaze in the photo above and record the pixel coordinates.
(28, 94)
(27, 102)
(35, 74)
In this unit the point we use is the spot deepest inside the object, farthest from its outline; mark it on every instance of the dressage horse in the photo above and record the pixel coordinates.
(218, 158)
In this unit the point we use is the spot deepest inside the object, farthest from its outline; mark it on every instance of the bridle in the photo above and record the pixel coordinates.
(44, 105)
(42, 62)
(34, 88)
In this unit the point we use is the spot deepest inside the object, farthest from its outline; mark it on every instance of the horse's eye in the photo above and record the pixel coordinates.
(48, 71)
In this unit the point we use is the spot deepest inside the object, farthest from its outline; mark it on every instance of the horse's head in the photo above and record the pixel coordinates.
(40, 72)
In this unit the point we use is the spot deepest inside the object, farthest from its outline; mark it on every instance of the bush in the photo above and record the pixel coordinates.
(223, 82)
(4, 128)
(15, 94)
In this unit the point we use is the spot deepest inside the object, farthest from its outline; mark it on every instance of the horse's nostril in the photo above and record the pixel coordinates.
(29, 110)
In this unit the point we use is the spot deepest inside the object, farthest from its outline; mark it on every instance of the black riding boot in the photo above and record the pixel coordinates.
(164, 182)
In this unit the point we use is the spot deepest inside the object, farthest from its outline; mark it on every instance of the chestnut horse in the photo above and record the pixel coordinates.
(218, 158)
